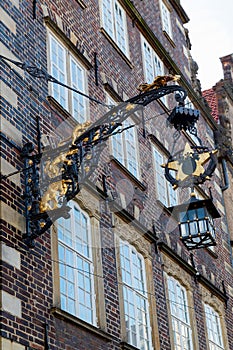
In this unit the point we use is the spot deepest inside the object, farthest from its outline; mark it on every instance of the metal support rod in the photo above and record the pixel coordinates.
(34, 8)
(41, 73)
(225, 175)
(46, 336)
(143, 124)
(194, 266)
(96, 69)
(225, 293)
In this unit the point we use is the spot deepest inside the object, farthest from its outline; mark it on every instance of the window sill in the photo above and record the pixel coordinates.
(116, 47)
(62, 111)
(58, 107)
(63, 315)
(169, 38)
(164, 207)
(127, 346)
(163, 105)
(133, 178)
(127, 217)
(212, 253)
(81, 3)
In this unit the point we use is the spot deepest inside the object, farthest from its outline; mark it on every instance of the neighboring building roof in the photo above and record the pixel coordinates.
(211, 98)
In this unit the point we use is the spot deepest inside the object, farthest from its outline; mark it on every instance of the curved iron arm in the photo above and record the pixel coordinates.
(41, 73)
(75, 162)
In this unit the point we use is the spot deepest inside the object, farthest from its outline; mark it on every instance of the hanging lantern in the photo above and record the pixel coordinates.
(196, 224)
(183, 118)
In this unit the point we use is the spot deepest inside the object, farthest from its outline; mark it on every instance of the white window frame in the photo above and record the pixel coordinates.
(180, 318)
(114, 23)
(64, 66)
(123, 145)
(133, 276)
(165, 192)
(166, 18)
(152, 64)
(214, 329)
(76, 264)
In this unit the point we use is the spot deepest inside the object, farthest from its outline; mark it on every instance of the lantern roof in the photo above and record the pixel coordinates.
(195, 203)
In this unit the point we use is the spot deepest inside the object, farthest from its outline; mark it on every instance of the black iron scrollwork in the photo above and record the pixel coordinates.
(189, 167)
(54, 178)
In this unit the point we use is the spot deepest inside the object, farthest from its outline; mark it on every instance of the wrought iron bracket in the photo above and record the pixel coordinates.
(54, 177)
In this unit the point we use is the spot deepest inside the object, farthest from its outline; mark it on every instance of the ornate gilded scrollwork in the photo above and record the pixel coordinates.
(51, 198)
(53, 167)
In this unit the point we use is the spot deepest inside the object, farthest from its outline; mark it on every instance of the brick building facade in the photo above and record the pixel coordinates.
(115, 275)
(220, 101)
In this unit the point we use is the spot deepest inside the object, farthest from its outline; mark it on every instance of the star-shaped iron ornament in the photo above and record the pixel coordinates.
(189, 167)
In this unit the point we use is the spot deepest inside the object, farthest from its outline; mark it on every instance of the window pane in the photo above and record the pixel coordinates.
(166, 21)
(148, 61)
(85, 289)
(161, 184)
(124, 148)
(117, 147)
(107, 15)
(153, 65)
(79, 111)
(66, 279)
(76, 266)
(182, 334)
(136, 312)
(114, 22)
(131, 149)
(58, 70)
(120, 28)
(82, 233)
(173, 198)
(213, 328)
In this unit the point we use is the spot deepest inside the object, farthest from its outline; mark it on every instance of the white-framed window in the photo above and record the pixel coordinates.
(68, 70)
(76, 267)
(166, 18)
(136, 306)
(165, 192)
(214, 331)
(114, 23)
(124, 145)
(153, 66)
(181, 327)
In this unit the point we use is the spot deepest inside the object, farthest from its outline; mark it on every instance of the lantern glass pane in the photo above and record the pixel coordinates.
(184, 229)
(193, 228)
(202, 226)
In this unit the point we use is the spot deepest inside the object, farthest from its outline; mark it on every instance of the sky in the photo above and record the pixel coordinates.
(211, 34)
